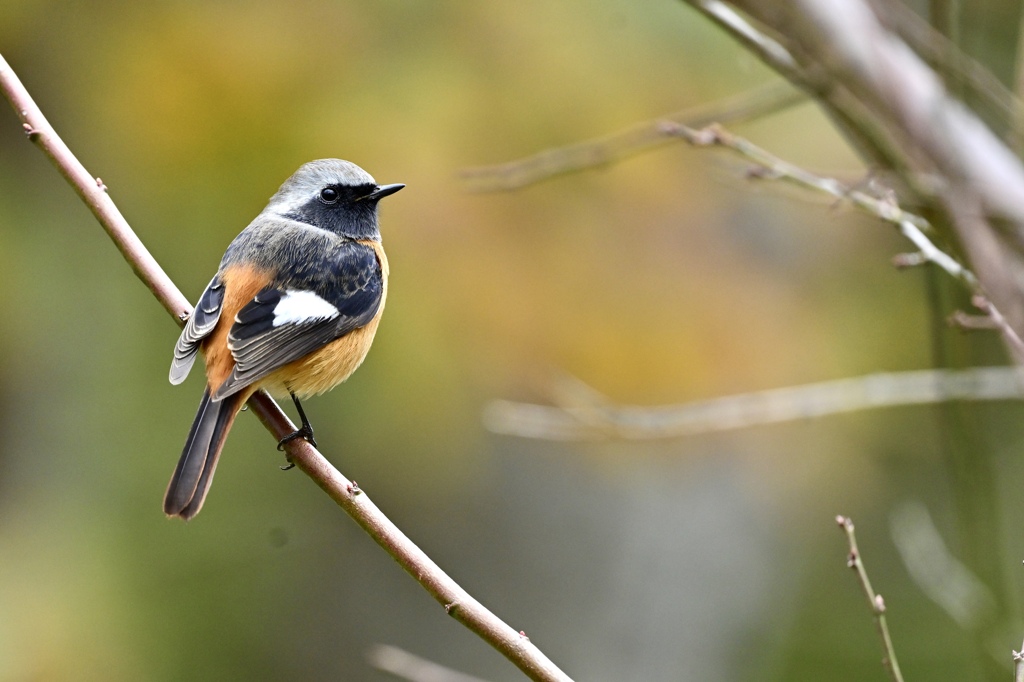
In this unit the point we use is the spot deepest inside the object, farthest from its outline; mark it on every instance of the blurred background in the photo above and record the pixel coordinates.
(665, 278)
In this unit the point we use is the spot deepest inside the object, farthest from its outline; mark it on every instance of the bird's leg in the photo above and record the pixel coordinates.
(305, 431)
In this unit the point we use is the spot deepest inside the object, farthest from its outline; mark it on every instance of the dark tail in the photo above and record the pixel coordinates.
(194, 473)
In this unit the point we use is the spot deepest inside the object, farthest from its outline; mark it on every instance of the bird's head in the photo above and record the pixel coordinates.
(333, 195)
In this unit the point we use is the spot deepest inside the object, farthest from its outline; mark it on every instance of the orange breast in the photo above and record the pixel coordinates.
(241, 284)
(323, 369)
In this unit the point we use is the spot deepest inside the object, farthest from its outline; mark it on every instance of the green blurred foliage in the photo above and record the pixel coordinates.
(664, 278)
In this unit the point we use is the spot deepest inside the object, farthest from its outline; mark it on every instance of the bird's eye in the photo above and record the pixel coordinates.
(329, 195)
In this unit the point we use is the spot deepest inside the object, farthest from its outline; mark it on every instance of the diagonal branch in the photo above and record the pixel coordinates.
(93, 192)
(458, 603)
(912, 226)
(875, 600)
(899, 114)
(641, 137)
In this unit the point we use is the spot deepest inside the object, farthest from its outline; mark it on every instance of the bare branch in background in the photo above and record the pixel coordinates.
(584, 414)
(911, 226)
(746, 106)
(1018, 665)
(893, 108)
(457, 602)
(939, 574)
(881, 91)
(1000, 323)
(401, 663)
(850, 115)
(597, 417)
(875, 600)
(962, 72)
(772, 167)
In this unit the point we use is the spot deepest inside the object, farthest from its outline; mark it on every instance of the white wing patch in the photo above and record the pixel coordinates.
(297, 307)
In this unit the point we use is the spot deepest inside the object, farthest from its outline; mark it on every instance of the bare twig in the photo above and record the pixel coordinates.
(1018, 665)
(584, 414)
(898, 113)
(401, 663)
(1009, 333)
(94, 193)
(844, 43)
(849, 114)
(945, 579)
(875, 601)
(910, 225)
(641, 137)
(456, 601)
(760, 43)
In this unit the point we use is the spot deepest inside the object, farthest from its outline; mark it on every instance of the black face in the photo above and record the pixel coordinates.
(347, 210)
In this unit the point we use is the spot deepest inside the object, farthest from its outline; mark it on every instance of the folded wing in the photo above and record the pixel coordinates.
(204, 319)
(287, 322)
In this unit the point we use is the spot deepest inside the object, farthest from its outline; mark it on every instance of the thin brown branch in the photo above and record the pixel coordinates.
(746, 106)
(94, 193)
(875, 601)
(516, 646)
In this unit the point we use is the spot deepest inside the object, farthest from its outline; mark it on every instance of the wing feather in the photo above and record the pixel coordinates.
(283, 324)
(204, 318)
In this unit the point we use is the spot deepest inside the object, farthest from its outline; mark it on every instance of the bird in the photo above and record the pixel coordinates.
(293, 310)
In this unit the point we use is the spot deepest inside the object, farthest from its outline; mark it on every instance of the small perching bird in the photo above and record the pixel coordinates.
(292, 309)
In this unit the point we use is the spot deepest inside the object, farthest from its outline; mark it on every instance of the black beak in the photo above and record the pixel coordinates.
(383, 191)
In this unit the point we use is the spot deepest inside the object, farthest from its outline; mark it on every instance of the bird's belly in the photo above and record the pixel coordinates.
(323, 369)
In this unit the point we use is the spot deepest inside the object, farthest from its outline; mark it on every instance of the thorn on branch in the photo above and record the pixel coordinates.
(888, 208)
(353, 488)
(522, 633)
(99, 183)
(30, 132)
(704, 137)
(992, 319)
(762, 173)
(962, 320)
(902, 261)
(982, 304)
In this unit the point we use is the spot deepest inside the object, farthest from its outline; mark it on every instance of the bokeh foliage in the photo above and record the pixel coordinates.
(665, 278)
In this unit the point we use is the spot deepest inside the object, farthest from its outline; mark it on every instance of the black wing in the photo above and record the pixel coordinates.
(204, 319)
(285, 323)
